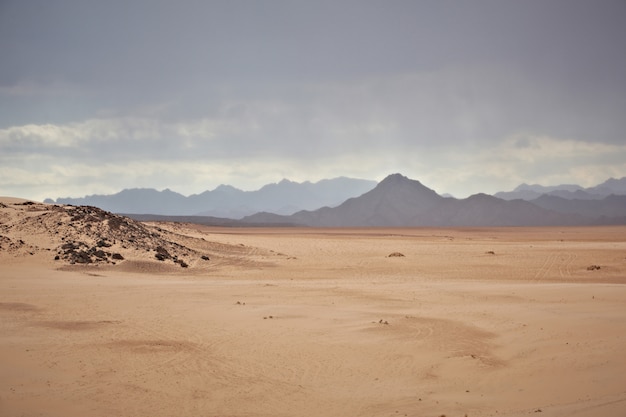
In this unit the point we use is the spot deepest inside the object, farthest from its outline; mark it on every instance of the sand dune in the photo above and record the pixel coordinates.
(311, 322)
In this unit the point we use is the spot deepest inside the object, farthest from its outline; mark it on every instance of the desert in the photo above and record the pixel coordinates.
(164, 318)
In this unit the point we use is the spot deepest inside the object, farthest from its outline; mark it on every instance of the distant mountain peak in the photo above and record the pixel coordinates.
(523, 186)
(224, 187)
(398, 180)
(395, 178)
(479, 196)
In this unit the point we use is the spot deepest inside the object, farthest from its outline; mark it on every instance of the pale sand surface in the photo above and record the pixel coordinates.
(287, 322)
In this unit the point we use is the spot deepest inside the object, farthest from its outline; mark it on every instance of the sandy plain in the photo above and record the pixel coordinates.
(322, 322)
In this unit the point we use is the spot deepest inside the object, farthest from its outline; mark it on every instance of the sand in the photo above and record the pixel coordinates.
(321, 322)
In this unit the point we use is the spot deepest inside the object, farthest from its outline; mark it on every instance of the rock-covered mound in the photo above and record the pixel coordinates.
(84, 235)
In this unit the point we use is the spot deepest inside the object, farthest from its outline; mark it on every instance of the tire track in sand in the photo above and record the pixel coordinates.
(555, 264)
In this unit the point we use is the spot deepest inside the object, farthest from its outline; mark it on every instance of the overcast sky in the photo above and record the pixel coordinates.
(465, 96)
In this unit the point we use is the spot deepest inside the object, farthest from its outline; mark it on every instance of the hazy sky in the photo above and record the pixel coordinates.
(465, 96)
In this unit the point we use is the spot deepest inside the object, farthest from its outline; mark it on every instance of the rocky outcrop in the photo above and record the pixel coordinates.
(81, 253)
(84, 235)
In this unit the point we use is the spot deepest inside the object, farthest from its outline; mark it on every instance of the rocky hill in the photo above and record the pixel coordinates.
(88, 236)
(83, 235)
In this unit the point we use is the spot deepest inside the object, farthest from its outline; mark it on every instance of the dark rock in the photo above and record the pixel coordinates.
(161, 252)
(69, 246)
(103, 244)
(82, 257)
(117, 256)
(116, 222)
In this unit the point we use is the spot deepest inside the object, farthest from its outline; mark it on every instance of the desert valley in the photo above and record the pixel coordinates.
(102, 315)
(312, 209)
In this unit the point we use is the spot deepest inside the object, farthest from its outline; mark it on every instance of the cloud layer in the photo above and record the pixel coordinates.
(467, 97)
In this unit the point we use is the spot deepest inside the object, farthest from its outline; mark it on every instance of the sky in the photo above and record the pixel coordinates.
(465, 96)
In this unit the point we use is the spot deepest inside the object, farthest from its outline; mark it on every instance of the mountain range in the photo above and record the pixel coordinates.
(396, 201)
(567, 191)
(285, 197)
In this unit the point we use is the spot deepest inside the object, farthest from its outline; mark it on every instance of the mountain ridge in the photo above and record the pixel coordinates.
(528, 192)
(394, 201)
(284, 197)
(398, 201)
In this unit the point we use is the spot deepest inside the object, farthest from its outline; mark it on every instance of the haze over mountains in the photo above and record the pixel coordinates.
(400, 201)
(396, 201)
(285, 197)
(568, 191)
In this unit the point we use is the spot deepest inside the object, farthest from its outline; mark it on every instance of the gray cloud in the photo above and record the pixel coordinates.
(439, 90)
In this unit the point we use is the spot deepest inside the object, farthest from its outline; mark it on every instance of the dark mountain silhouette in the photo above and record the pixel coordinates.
(285, 197)
(567, 191)
(530, 192)
(395, 202)
(613, 206)
(485, 210)
(399, 201)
